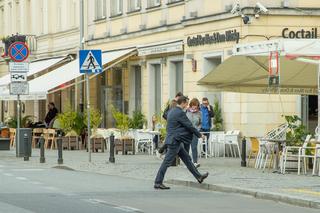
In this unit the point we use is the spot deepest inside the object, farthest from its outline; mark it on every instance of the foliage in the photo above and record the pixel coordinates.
(297, 132)
(137, 121)
(217, 119)
(11, 122)
(95, 118)
(122, 120)
(67, 120)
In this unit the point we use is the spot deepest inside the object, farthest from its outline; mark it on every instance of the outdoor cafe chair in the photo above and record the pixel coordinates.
(36, 135)
(144, 141)
(12, 136)
(232, 140)
(255, 144)
(216, 141)
(301, 155)
(316, 160)
(49, 138)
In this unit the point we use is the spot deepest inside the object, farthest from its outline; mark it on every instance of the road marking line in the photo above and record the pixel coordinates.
(122, 208)
(27, 170)
(8, 174)
(1, 166)
(305, 191)
(36, 183)
(128, 209)
(51, 188)
(21, 178)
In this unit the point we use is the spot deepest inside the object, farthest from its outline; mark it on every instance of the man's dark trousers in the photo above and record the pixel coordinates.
(175, 149)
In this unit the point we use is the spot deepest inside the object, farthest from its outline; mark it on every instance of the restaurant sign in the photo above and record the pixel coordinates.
(215, 38)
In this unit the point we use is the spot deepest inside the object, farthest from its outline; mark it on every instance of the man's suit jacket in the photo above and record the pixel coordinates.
(179, 127)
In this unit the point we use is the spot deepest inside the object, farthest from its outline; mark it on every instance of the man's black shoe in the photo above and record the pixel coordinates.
(160, 186)
(161, 150)
(202, 177)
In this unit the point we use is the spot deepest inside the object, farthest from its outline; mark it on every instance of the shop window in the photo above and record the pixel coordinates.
(134, 5)
(176, 78)
(173, 1)
(100, 9)
(211, 61)
(116, 7)
(153, 3)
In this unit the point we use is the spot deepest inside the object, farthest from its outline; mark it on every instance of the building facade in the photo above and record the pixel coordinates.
(175, 43)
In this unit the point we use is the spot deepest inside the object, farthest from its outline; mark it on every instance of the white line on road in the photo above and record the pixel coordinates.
(127, 209)
(27, 170)
(8, 174)
(21, 178)
(36, 183)
(51, 188)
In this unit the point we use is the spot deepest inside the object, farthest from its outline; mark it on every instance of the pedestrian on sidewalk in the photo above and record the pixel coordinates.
(179, 130)
(194, 115)
(206, 118)
(171, 105)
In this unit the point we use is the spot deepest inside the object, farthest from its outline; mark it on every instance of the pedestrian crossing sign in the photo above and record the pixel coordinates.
(90, 61)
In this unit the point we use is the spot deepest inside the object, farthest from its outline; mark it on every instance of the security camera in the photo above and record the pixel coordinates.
(235, 9)
(262, 8)
(245, 19)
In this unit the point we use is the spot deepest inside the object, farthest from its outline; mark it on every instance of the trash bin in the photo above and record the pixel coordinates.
(20, 145)
(4, 143)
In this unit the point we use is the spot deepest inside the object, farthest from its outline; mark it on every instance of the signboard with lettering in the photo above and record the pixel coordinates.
(300, 34)
(18, 67)
(215, 38)
(19, 88)
(159, 49)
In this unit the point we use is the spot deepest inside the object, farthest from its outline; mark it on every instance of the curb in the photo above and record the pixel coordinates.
(256, 194)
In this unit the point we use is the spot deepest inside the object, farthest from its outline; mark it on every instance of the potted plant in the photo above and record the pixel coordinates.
(137, 121)
(297, 132)
(12, 122)
(122, 121)
(217, 119)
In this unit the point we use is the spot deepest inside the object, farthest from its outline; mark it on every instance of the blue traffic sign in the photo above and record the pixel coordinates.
(90, 61)
(18, 51)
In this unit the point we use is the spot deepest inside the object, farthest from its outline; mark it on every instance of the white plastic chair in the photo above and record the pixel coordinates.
(232, 140)
(216, 139)
(300, 155)
(316, 160)
(144, 141)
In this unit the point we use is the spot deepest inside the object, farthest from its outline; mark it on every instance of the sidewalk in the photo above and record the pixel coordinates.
(226, 175)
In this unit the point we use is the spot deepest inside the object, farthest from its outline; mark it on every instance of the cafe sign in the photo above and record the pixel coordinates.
(300, 34)
(214, 38)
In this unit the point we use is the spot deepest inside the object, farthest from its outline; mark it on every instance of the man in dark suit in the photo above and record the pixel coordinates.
(179, 130)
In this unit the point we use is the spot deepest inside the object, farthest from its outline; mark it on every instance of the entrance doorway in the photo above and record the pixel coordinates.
(309, 111)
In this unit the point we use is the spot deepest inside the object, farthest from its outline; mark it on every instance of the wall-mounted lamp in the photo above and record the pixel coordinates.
(194, 65)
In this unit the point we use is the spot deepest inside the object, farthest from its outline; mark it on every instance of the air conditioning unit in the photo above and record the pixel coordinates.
(142, 27)
(183, 18)
(285, 3)
(228, 7)
(163, 22)
(193, 14)
(123, 30)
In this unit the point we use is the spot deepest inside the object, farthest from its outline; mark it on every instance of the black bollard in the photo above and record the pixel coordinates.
(59, 142)
(26, 147)
(41, 142)
(244, 155)
(111, 158)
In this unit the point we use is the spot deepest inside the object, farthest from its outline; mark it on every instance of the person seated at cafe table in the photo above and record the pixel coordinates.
(52, 113)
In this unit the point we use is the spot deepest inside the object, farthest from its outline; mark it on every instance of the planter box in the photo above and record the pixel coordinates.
(4, 143)
(125, 145)
(97, 143)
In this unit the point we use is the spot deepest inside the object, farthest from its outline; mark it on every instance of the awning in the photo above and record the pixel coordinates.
(35, 68)
(247, 70)
(57, 78)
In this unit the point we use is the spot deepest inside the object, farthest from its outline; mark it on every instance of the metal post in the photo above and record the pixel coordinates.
(41, 142)
(244, 155)
(88, 114)
(318, 133)
(111, 158)
(18, 127)
(26, 147)
(59, 141)
(81, 87)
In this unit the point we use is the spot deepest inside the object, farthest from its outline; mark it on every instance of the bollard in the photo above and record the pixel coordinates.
(59, 142)
(244, 155)
(26, 147)
(111, 158)
(42, 158)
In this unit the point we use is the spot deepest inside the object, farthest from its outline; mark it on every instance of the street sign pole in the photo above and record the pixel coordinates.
(88, 114)
(18, 127)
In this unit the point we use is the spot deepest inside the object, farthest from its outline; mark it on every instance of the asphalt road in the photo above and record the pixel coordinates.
(26, 190)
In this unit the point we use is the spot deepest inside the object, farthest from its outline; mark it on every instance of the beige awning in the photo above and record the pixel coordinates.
(249, 74)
